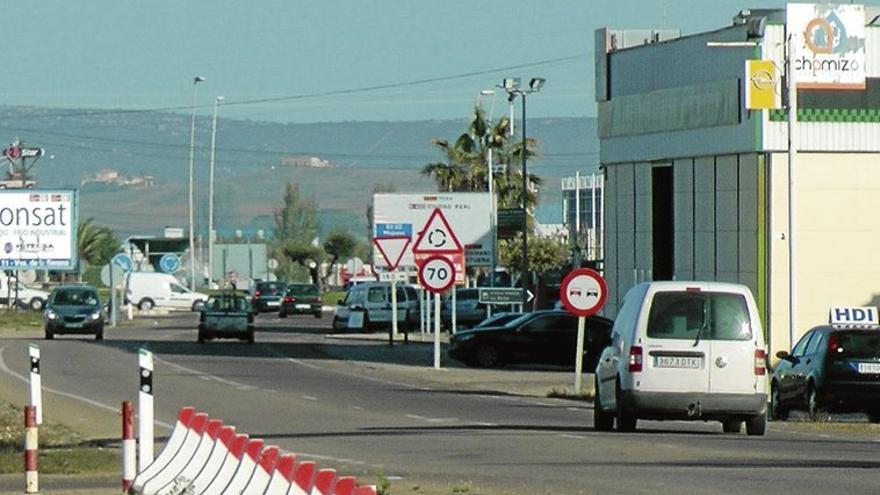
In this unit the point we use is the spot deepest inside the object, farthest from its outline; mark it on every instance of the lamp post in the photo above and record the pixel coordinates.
(192, 143)
(490, 166)
(211, 192)
(511, 86)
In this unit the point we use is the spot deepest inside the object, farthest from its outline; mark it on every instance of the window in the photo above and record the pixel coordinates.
(412, 294)
(711, 315)
(376, 295)
(863, 344)
(816, 343)
(552, 322)
(177, 289)
(801, 346)
(303, 290)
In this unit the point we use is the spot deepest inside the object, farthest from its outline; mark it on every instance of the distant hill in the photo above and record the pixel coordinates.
(336, 163)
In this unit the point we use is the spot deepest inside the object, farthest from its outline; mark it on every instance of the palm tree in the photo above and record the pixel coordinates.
(95, 244)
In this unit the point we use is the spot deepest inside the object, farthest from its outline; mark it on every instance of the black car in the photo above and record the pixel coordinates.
(547, 337)
(302, 299)
(833, 369)
(74, 309)
(267, 296)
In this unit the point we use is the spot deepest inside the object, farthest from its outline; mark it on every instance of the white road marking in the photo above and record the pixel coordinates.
(575, 437)
(431, 420)
(309, 397)
(206, 376)
(576, 409)
(91, 402)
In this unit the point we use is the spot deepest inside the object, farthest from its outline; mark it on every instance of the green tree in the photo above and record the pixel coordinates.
(339, 244)
(305, 255)
(545, 254)
(96, 244)
(297, 218)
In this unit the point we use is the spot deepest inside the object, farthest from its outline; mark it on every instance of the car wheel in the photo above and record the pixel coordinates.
(201, 338)
(336, 326)
(197, 305)
(486, 356)
(99, 335)
(813, 409)
(146, 304)
(626, 420)
(757, 425)
(36, 304)
(319, 314)
(777, 411)
(49, 335)
(282, 314)
(250, 337)
(602, 420)
(731, 426)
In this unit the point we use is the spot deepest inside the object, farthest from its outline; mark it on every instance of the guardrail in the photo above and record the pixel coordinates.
(204, 456)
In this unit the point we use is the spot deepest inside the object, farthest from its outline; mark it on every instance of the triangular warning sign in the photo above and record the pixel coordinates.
(392, 249)
(437, 237)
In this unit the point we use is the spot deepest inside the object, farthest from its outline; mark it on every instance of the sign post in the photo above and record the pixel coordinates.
(583, 293)
(436, 275)
(124, 262)
(392, 249)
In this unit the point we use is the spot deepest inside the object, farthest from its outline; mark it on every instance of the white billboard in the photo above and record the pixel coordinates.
(38, 229)
(405, 214)
(830, 45)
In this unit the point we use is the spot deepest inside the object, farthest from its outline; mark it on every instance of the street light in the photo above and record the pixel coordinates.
(192, 144)
(491, 174)
(511, 86)
(211, 192)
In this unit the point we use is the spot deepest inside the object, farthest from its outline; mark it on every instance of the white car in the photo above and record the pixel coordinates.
(34, 299)
(147, 290)
(684, 351)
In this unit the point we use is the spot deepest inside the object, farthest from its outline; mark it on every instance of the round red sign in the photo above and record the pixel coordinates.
(583, 292)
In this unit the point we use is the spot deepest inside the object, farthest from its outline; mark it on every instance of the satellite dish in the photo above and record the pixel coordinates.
(27, 276)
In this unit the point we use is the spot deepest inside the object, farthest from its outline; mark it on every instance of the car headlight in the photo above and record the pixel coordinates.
(51, 315)
(96, 315)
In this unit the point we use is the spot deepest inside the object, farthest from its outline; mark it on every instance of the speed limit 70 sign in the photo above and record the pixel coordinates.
(437, 274)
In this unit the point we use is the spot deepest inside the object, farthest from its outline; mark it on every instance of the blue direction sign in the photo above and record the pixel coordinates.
(123, 261)
(169, 263)
(393, 230)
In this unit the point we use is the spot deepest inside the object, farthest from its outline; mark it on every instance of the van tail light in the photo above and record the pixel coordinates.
(289, 299)
(833, 343)
(635, 359)
(256, 293)
(760, 362)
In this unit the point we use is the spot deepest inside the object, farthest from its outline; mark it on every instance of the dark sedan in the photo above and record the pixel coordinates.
(830, 369)
(267, 296)
(301, 299)
(546, 337)
(74, 309)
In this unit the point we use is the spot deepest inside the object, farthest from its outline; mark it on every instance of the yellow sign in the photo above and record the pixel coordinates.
(762, 85)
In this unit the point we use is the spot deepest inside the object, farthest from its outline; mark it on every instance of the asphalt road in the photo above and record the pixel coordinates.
(305, 392)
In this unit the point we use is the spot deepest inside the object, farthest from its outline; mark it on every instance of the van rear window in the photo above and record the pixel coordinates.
(711, 315)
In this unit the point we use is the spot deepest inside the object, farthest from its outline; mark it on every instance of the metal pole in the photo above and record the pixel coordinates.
(436, 331)
(192, 143)
(211, 193)
(792, 213)
(525, 224)
(393, 309)
(454, 310)
(593, 243)
(579, 357)
(492, 220)
(112, 297)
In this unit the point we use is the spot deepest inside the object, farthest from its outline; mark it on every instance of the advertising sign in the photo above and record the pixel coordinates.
(762, 91)
(829, 50)
(38, 229)
(406, 214)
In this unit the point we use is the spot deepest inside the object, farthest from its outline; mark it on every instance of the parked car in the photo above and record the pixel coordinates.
(73, 309)
(546, 336)
(830, 369)
(468, 309)
(684, 351)
(373, 299)
(148, 290)
(498, 320)
(301, 299)
(267, 296)
(25, 297)
(227, 315)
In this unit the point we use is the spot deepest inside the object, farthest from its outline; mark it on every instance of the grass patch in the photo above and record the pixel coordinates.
(62, 450)
(556, 393)
(20, 320)
(332, 298)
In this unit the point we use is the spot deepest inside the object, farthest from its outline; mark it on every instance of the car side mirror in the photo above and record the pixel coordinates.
(784, 355)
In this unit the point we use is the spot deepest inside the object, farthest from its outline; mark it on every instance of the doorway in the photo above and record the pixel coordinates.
(663, 218)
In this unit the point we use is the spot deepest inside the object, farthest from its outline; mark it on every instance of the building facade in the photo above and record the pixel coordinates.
(582, 197)
(697, 186)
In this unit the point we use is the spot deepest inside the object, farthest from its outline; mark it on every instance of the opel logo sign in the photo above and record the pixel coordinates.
(721, 362)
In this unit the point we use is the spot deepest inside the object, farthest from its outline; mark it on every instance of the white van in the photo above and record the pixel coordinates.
(684, 351)
(374, 299)
(147, 290)
(33, 299)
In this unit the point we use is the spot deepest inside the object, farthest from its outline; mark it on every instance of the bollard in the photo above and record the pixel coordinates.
(36, 384)
(31, 473)
(145, 409)
(129, 446)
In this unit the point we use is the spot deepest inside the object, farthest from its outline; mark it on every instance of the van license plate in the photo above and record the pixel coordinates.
(677, 362)
(869, 368)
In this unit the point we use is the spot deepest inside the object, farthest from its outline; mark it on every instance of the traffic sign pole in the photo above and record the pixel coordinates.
(579, 358)
(393, 310)
(583, 293)
(437, 331)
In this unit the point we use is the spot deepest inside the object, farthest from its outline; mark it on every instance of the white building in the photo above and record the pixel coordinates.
(697, 185)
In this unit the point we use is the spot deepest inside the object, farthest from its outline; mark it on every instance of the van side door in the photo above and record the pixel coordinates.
(379, 303)
(733, 338)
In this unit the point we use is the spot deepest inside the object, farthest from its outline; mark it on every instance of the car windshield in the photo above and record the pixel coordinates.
(520, 320)
(856, 344)
(699, 316)
(270, 287)
(76, 297)
(303, 290)
(225, 302)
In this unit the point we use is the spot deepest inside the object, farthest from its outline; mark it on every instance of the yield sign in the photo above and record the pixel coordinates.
(392, 249)
(437, 237)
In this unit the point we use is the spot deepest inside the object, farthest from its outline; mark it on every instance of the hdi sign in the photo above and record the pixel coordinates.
(866, 315)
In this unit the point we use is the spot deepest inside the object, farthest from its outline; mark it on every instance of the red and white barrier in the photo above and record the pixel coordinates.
(129, 446)
(246, 467)
(212, 466)
(229, 467)
(175, 441)
(303, 479)
(195, 463)
(345, 486)
(187, 450)
(282, 476)
(31, 440)
(365, 490)
(263, 472)
(324, 482)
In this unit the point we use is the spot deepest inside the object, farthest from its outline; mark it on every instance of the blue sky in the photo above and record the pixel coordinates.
(315, 61)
